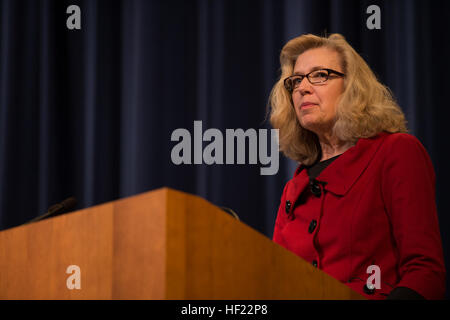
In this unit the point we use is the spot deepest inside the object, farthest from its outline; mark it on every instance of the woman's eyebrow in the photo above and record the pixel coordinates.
(312, 69)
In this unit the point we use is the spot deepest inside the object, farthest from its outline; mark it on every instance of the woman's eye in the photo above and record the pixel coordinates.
(297, 81)
(320, 74)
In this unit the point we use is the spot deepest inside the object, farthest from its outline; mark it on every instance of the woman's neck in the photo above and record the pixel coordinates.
(332, 146)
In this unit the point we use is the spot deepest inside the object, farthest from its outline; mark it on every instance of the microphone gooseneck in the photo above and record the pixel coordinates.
(56, 209)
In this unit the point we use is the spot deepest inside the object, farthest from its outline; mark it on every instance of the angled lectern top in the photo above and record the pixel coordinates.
(163, 244)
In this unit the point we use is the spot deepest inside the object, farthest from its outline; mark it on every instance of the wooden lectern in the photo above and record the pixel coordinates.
(162, 244)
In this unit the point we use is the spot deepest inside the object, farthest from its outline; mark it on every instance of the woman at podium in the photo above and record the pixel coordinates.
(361, 204)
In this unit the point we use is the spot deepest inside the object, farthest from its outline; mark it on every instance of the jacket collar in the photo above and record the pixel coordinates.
(343, 172)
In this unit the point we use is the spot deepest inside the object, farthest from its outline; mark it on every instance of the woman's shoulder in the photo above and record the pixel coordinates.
(399, 136)
(401, 141)
(404, 148)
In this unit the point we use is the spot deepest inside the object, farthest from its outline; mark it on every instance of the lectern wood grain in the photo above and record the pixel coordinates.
(162, 244)
(34, 258)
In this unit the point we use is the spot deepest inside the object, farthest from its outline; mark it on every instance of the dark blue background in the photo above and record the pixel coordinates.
(89, 113)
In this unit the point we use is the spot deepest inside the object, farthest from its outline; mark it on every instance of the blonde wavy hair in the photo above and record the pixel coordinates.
(365, 108)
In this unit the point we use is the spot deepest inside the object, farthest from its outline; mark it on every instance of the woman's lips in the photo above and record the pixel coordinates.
(307, 105)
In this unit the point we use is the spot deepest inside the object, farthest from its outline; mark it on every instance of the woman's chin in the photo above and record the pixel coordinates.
(308, 122)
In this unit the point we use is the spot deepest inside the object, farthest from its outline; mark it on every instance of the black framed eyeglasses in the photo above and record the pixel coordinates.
(314, 77)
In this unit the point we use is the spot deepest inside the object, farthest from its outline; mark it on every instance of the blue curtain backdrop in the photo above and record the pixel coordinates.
(90, 112)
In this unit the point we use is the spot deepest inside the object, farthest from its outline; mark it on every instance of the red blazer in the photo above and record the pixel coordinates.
(376, 208)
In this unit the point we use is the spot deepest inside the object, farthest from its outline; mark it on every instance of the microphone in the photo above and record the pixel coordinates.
(57, 209)
(315, 187)
(231, 212)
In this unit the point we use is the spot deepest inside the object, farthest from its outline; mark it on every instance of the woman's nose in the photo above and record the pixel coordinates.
(305, 87)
